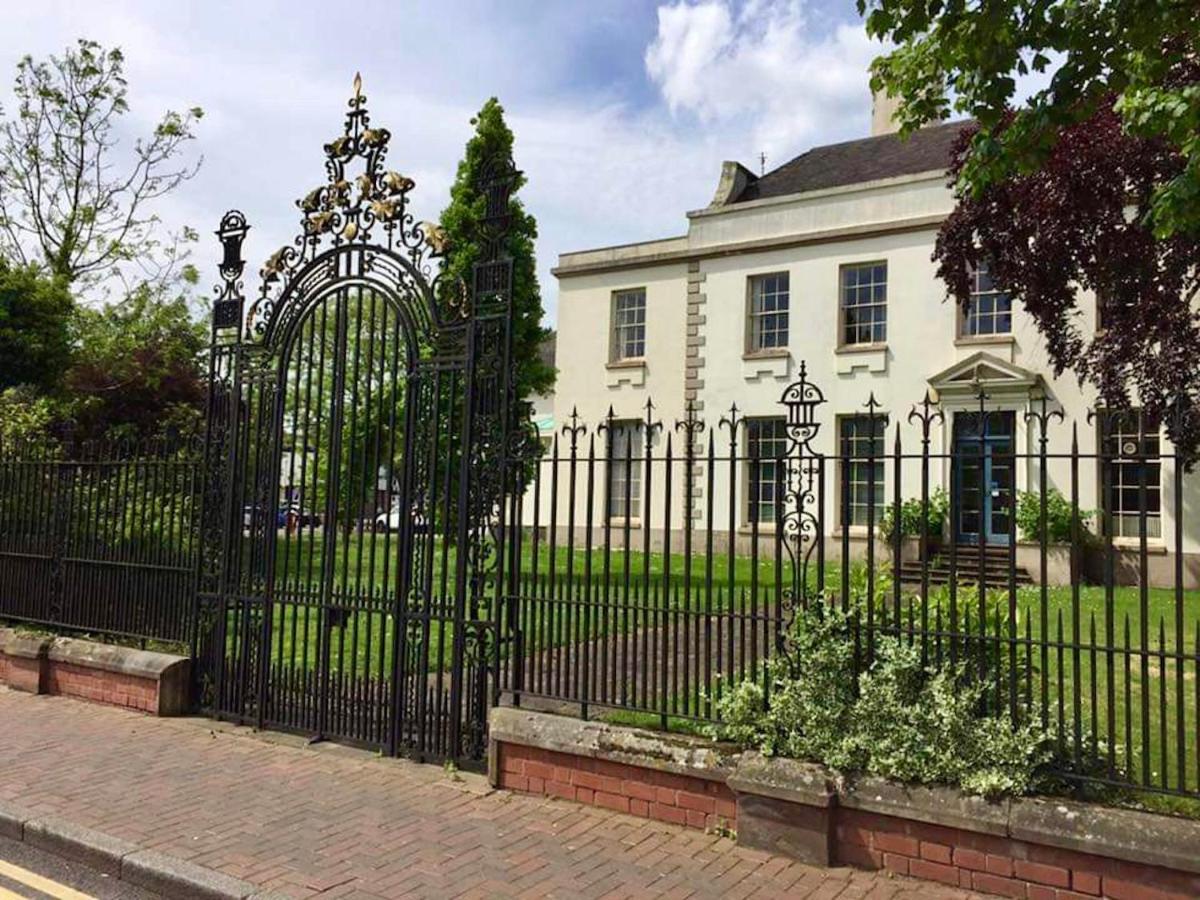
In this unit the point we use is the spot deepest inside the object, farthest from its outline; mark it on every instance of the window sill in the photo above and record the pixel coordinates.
(1154, 546)
(851, 358)
(620, 522)
(845, 349)
(770, 364)
(625, 371)
(854, 531)
(763, 530)
(993, 340)
(774, 353)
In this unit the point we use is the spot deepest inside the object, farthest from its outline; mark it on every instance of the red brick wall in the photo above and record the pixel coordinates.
(113, 688)
(998, 865)
(71, 680)
(24, 674)
(679, 799)
(985, 863)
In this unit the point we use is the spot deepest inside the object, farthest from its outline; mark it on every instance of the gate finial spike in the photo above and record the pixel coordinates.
(357, 85)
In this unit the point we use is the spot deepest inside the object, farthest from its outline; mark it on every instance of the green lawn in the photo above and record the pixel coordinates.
(1111, 632)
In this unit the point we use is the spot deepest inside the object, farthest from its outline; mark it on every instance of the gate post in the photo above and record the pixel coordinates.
(219, 528)
(485, 452)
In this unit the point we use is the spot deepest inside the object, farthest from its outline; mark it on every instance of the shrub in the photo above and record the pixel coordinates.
(1058, 517)
(898, 719)
(911, 513)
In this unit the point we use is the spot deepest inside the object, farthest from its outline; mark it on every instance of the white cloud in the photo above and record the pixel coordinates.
(613, 158)
(763, 72)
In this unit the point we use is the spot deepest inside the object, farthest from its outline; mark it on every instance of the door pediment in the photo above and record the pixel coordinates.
(983, 370)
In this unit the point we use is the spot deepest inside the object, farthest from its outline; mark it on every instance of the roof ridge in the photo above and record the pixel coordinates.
(858, 161)
(924, 129)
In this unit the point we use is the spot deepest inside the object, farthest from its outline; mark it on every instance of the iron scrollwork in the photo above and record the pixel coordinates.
(800, 517)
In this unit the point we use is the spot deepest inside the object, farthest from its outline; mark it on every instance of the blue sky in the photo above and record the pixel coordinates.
(623, 109)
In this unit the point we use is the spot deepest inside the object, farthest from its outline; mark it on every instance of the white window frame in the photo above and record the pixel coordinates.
(624, 461)
(974, 314)
(768, 312)
(877, 327)
(853, 466)
(628, 329)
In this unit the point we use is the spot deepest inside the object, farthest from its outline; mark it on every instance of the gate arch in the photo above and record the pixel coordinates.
(354, 407)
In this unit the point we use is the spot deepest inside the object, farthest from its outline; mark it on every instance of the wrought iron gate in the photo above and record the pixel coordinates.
(353, 468)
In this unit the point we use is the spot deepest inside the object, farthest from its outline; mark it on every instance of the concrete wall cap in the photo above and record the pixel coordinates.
(1128, 834)
(680, 754)
(113, 658)
(22, 646)
(783, 779)
(934, 804)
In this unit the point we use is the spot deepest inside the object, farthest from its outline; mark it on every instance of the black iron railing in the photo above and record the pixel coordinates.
(100, 537)
(650, 568)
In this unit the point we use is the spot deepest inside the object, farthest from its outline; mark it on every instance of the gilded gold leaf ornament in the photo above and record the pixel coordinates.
(383, 210)
(366, 185)
(320, 223)
(373, 137)
(312, 200)
(397, 183)
(436, 237)
(350, 231)
(274, 263)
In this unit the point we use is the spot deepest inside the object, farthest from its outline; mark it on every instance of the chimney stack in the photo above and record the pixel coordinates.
(883, 113)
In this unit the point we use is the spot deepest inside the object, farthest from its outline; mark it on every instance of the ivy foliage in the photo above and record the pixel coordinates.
(1059, 516)
(821, 711)
(1139, 57)
(1087, 192)
(936, 514)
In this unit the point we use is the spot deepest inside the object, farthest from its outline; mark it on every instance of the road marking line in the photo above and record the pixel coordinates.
(6, 894)
(38, 883)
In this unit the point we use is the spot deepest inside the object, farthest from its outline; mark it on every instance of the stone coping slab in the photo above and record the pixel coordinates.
(114, 658)
(680, 754)
(1127, 834)
(1124, 834)
(783, 779)
(23, 646)
(931, 804)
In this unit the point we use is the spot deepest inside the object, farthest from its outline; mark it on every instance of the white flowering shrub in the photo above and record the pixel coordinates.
(898, 719)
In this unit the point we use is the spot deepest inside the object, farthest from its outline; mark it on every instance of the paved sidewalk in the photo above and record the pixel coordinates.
(333, 822)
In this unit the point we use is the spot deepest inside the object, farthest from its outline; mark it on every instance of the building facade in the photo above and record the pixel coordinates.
(826, 262)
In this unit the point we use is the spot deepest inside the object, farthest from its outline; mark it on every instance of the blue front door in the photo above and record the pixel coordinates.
(984, 466)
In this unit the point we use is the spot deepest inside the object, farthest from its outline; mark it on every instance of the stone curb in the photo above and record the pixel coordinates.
(149, 869)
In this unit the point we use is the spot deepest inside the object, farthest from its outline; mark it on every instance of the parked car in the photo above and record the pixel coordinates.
(390, 521)
(251, 514)
(283, 515)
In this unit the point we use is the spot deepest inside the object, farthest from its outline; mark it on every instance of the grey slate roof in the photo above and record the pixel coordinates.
(853, 162)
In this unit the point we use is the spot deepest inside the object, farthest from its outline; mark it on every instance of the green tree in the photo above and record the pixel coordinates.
(70, 200)
(960, 56)
(35, 328)
(137, 370)
(460, 220)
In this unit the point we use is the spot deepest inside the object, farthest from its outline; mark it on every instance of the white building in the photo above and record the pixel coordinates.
(827, 260)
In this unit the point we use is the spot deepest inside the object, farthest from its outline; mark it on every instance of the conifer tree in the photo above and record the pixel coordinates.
(460, 221)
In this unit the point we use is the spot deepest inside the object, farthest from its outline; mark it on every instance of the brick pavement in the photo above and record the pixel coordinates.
(330, 821)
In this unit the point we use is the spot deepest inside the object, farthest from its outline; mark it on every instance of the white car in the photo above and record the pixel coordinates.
(390, 521)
